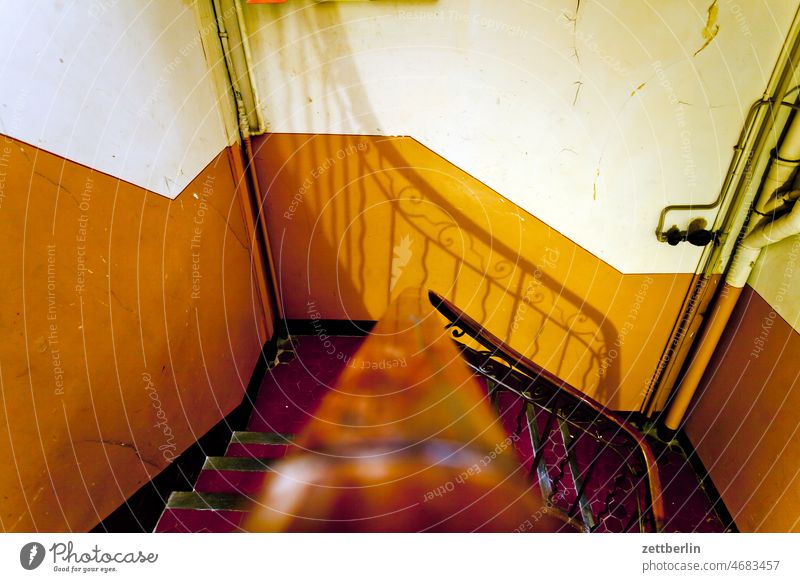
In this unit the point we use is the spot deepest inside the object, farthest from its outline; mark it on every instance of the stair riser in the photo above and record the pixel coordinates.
(242, 482)
(200, 521)
(286, 420)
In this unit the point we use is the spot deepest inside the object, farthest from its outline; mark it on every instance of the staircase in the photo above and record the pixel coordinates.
(292, 388)
(306, 368)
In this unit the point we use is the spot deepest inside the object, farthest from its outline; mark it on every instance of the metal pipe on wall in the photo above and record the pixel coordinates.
(784, 161)
(738, 192)
(246, 131)
(729, 225)
(745, 257)
(261, 125)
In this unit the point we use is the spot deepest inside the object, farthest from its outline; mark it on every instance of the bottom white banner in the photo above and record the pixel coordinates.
(356, 557)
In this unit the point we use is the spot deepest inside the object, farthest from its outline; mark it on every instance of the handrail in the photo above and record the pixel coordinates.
(517, 361)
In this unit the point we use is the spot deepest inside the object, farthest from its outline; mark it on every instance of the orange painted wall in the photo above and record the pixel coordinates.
(355, 219)
(116, 355)
(744, 420)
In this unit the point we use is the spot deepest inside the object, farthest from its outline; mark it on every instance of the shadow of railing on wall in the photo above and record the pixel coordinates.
(372, 198)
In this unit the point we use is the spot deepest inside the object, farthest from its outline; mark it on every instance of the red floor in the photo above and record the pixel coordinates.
(287, 398)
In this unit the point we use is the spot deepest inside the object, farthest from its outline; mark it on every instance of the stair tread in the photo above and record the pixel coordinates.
(208, 501)
(237, 464)
(246, 437)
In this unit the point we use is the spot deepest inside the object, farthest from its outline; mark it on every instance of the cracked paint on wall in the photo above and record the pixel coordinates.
(712, 28)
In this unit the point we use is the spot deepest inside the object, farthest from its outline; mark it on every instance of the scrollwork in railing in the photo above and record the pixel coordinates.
(535, 302)
(455, 331)
(589, 463)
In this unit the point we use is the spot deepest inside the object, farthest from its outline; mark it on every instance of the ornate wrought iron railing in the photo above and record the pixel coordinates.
(590, 463)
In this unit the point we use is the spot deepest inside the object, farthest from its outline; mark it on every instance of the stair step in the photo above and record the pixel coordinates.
(242, 475)
(237, 464)
(261, 438)
(197, 500)
(197, 521)
(290, 393)
(258, 445)
(195, 512)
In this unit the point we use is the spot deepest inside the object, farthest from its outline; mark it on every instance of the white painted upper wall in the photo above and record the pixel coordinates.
(120, 86)
(776, 277)
(592, 122)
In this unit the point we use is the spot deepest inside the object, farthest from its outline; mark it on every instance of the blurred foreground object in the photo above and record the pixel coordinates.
(406, 441)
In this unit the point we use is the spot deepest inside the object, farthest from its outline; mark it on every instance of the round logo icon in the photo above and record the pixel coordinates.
(31, 555)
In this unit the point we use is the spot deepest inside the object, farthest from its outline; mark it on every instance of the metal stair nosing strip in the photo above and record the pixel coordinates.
(243, 464)
(241, 437)
(196, 500)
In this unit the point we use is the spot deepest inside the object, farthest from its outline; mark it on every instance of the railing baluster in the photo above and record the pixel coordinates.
(572, 463)
(584, 480)
(494, 393)
(632, 495)
(522, 419)
(537, 444)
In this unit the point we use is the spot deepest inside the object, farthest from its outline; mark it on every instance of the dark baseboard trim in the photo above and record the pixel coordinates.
(329, 327)
(664, 434)
(706, 482)
(142, 510)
